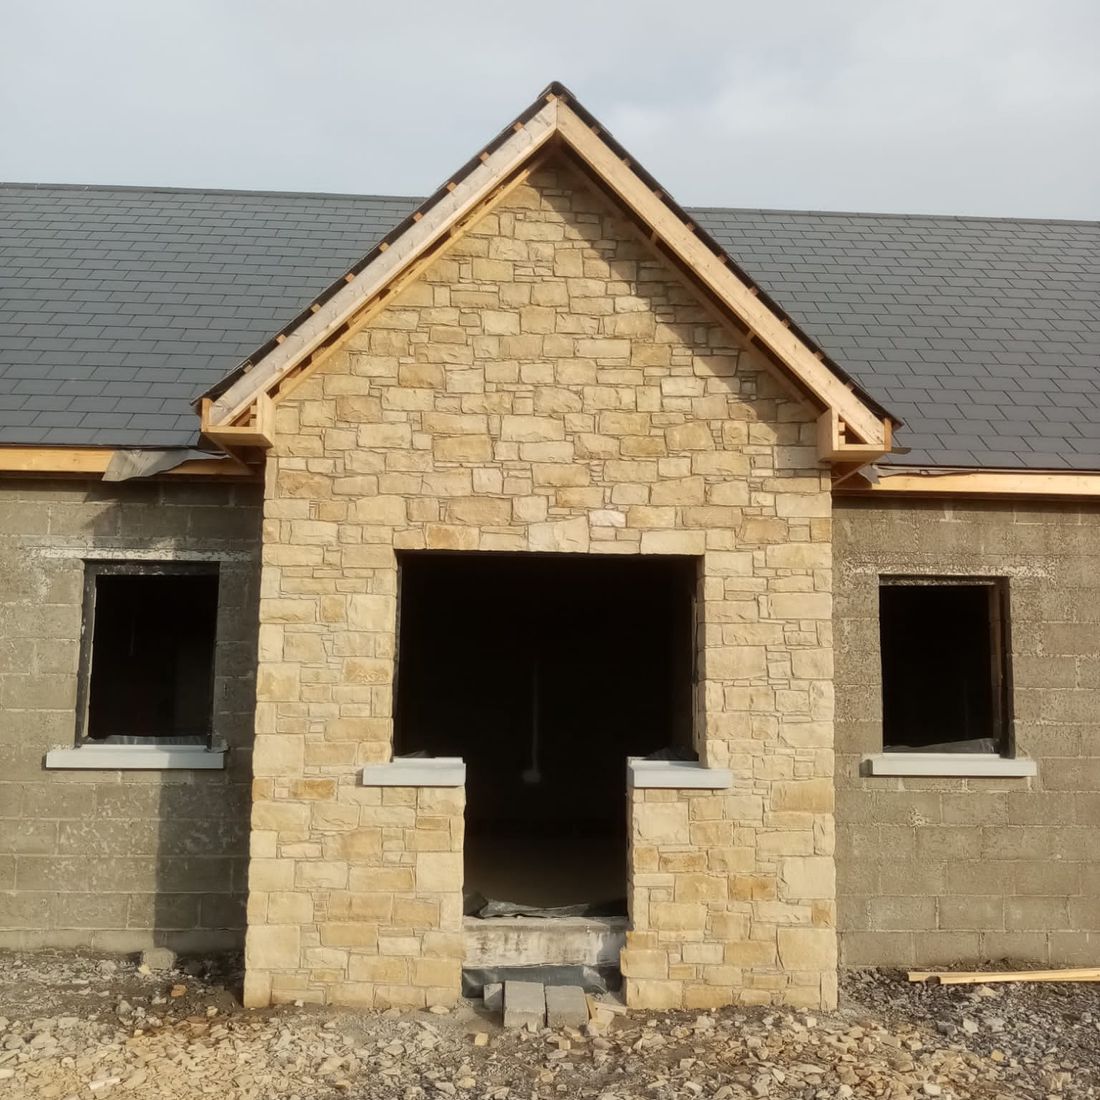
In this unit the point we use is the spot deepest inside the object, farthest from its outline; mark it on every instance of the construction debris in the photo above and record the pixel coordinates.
(595, 1005)
(60, 1034)
(984, 977)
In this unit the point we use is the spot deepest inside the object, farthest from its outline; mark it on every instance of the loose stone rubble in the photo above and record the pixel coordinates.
(76, 1028)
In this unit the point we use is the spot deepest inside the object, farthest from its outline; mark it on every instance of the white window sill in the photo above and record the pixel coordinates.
(138, 757)
(417, 771)
(676, 775)
(956, 764)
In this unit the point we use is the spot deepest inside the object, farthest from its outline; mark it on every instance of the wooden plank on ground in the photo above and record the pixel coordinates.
(982, 977)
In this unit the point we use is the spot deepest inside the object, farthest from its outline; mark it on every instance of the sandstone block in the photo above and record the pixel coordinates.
(807, 795)
(273, 947)
(349, 934)
(439, 872)
(807, 948)
(654, 995)
(639, 963)
(662, 823)
(689, 437)
(805, 877)
(800, 605)
(563, 536)
(288, 817)
(674, 542)
(378, 968)
(674, 916)
(442, 973)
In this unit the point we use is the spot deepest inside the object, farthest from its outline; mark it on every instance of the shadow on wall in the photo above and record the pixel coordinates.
(118, 860)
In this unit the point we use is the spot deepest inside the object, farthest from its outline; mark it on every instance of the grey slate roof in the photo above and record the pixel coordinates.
(119, 305)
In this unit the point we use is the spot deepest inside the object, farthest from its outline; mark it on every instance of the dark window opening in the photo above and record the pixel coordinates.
(945, 673)
(148, 653)
(544, 673)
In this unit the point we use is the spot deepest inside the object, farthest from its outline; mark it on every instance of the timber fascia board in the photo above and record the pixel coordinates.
(850, 429)
(94, 461)
(897, 483)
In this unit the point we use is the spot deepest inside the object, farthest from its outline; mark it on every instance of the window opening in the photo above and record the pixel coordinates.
(147, 657)
(945, 671)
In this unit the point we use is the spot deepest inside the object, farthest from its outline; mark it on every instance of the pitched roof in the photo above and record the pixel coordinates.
(119, 305)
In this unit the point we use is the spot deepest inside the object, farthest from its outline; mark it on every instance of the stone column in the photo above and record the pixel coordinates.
(695, 899)
(368, 910)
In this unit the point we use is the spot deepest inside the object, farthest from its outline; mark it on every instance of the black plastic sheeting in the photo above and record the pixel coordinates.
(475, 904)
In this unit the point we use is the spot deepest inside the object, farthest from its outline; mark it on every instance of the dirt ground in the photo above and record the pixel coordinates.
(74, 1027)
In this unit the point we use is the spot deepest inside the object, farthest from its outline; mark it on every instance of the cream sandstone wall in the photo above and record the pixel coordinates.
(548, 385)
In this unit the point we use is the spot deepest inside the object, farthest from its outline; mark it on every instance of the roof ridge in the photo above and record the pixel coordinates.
(157, 189)
(895, 214)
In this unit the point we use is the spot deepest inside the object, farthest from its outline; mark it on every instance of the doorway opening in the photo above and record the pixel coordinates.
(544, 673)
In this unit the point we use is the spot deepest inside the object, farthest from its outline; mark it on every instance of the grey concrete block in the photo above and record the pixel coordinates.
(524, 1004)
(493, 996)
(566, 1006)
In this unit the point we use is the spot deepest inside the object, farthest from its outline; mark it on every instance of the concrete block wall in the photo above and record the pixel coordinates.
(118, 860)
(939, 871)
(549, 385)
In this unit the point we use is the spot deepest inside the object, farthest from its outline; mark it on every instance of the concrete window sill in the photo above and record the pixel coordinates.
(149, 757)
(948, 764)
(417, 771)
(676, 775)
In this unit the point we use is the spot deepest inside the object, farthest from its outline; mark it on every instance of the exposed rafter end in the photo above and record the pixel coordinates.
(258, 432)
(833, 445)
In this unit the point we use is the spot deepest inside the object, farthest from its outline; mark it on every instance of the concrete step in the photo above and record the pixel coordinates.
(543, 941)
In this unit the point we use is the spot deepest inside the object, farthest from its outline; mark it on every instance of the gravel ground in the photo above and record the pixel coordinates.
(73, 1028)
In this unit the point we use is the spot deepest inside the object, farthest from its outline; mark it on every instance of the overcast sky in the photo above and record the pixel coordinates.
(941, 106)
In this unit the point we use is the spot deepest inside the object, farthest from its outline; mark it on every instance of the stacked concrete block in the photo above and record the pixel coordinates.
(937, 871)
(550, 384)
(119, 860)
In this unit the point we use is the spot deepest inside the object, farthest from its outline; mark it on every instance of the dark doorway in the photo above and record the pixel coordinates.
(544, 673)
